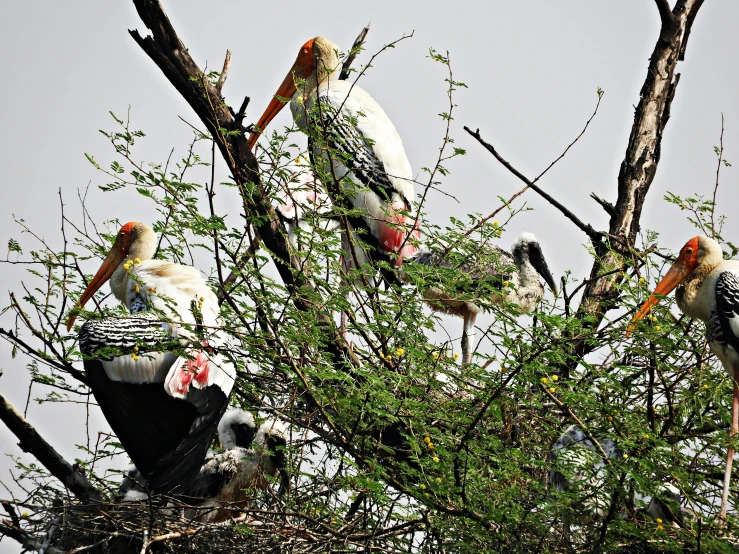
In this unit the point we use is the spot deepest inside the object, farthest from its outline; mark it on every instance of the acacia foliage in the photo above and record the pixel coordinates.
(396, 446)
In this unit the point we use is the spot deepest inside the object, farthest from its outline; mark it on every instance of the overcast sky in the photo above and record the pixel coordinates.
(532, 69)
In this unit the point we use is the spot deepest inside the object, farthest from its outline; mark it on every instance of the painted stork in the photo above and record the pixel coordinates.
(578, 465)
(364, 149)
(250, 456)
(516, 273)
(159, 376)
(707, 289)
(301, 201)
(227, 480)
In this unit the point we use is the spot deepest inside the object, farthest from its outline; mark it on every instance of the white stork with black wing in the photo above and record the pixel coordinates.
(511, 276)
(364, 149)
(160, 376)
(707, 289)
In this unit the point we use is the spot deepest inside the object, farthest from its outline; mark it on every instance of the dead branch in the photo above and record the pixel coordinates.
(640, 162)
(224, 72)
(166, 49)
(355, 49)
(33, 443)
(584, 227)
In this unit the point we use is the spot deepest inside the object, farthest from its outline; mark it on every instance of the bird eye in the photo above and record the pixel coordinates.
(121, 234)
(688, 250)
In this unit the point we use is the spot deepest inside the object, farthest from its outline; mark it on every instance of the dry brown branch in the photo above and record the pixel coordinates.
(165, 48)
(355, 49)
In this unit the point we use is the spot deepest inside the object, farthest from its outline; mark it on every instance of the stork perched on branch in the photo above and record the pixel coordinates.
(510, 276)
(160, 376)
(707, 289)
(363, 151)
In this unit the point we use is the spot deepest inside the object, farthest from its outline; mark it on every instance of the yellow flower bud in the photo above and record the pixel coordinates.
(456, 356)
(436, 459)
(496, 224)
(137, 261)
(610, 418)
(136, 287)
(436, 355)
(422, 486)
(555, 377)
(659, 521)
(657, 327)
(646, 436)
(660, 528)
(431, 446)
(552, 389)
(544, 379)
(626, 456)
(399, 352)
(438, 479)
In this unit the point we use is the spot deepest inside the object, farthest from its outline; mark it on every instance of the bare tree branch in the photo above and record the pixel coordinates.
(356, 47)
(584, 227)
(33, 443)
(224, 71)
(640, 163)
(665, 15)
(165, 48)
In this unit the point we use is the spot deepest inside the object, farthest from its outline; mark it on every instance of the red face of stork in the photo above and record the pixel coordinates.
(304, 66)
(121, 249)
(685, 264)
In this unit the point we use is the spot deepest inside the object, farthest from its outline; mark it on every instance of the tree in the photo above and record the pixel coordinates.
(394, 445)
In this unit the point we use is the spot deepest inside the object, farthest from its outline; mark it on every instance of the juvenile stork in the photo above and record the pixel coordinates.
(513, 277)
(227, 480)
(160, 376)
(707, 289)
(363, 149)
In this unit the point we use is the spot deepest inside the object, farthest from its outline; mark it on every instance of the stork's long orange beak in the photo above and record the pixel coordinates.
(301, 69)
(111, 262)
(287, 90)
(683, 266)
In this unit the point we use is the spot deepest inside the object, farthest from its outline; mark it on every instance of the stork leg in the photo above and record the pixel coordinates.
(468, 337)
(730, 453)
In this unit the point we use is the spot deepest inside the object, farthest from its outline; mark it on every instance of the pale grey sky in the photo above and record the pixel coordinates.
(532, 69)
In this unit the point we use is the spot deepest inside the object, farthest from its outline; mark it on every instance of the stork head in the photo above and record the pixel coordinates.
(528, 246)
(134, 240)
(318, 60)
(698, 252)
(236, 428)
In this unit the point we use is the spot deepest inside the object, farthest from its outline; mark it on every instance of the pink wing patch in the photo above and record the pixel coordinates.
(393, 237)
(185, 371)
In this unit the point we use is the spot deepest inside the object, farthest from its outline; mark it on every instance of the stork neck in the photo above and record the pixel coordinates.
(687, 293)
(119, 282)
